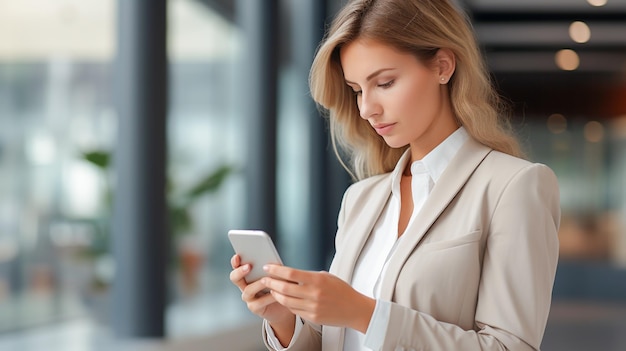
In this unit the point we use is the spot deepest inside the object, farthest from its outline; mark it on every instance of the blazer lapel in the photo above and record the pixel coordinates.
(452, 180)
(373, 200)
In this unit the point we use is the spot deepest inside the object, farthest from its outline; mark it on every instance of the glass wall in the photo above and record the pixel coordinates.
(206, 140)
(55, 105)
(58, 130)
(587, 156)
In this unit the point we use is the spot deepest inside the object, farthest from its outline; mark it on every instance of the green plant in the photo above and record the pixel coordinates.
(179, 202)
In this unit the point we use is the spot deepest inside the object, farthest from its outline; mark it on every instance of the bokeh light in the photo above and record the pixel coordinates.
(579, 32)
(597, 2)
(594, 132)
(557, 123)
(567, 59)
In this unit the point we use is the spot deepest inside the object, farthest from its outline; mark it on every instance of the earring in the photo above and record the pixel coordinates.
(443, 80)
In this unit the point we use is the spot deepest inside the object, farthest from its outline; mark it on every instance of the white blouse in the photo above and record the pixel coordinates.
(381, 245)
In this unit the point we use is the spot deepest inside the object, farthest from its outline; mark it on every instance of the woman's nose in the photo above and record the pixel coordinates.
(368, 106)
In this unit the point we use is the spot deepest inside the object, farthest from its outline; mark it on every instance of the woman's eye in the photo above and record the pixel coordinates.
(386, 85)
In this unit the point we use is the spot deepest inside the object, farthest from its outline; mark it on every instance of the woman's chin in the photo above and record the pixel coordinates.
(394, 143)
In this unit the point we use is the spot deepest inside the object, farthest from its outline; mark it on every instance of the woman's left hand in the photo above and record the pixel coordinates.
(319, 297)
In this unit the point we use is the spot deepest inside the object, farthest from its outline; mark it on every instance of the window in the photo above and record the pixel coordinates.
(55, 104)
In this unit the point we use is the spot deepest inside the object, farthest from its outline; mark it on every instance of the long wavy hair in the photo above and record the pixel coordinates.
(419, 27)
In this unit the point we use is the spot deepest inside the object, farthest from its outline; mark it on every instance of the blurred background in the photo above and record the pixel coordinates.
(199, 111)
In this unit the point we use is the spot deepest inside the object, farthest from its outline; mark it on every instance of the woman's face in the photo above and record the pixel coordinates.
(405, 101)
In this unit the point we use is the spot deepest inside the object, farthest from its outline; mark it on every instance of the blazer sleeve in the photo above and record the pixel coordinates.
(518, 271)
(310, 336)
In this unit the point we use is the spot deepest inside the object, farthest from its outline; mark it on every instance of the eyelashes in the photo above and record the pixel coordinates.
(386, 85)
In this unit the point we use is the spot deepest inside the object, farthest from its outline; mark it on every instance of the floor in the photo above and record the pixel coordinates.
(573, 326)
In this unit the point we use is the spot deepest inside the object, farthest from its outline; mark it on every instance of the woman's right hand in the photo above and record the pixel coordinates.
(259, 302)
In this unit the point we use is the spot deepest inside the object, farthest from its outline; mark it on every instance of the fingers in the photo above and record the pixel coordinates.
(253, 291)
(294, 304)
(259, 304)
(235, 261)
(284, 287)
(292, 282)
(289, 274)
(257, 297)
(238, 274)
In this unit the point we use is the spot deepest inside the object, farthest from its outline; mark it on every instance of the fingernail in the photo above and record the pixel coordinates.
(266, 268)
(246, 268)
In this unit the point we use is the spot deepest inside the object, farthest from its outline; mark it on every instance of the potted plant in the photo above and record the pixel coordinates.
(181, 223)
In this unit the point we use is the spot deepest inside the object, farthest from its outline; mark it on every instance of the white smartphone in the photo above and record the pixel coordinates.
(255, 247)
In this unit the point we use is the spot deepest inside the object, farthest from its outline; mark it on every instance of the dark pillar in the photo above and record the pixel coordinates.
(140, 228)
(258, 82)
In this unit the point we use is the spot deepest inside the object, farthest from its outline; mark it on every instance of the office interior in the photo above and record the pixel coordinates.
(134, 134)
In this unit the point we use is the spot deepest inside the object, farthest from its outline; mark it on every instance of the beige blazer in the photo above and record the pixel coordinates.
(477, 268)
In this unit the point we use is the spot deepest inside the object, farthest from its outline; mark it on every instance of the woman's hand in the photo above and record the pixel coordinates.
(319, 297)
(262, 303)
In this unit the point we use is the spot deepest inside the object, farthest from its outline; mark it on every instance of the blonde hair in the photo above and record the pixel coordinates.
(420, 27)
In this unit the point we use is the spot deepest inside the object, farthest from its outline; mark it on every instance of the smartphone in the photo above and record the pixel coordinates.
(255, 247)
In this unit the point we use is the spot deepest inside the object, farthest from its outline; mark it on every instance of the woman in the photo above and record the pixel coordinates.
(448, 240)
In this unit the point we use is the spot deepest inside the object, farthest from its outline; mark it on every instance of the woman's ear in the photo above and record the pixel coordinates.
(446, 64)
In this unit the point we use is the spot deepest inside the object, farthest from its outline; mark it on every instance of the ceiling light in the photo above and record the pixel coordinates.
(594, 132)
(597, 2)
(557, 123)
(567, 59)
(579, 32)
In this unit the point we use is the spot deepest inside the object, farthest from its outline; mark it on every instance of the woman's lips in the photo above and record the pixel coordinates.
(383, 128)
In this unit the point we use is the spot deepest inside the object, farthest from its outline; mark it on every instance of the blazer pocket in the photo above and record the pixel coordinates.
(448, 244)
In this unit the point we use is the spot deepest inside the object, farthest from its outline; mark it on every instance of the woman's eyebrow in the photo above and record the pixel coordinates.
(373, 75)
